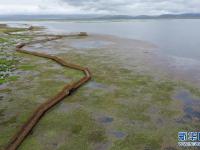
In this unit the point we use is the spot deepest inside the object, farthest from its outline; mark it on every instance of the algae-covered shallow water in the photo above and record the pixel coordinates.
(131, 103)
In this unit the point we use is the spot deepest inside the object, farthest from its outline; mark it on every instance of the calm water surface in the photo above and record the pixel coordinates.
(179, 37)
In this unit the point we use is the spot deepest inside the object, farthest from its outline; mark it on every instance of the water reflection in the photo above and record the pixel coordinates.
(191, 105)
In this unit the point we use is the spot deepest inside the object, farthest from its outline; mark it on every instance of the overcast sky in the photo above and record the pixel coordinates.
(123, 7)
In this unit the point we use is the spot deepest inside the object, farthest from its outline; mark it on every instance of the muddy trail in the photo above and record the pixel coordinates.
(67, 90)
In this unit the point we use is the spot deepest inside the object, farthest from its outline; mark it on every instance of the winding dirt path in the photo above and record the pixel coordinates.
(20, 136)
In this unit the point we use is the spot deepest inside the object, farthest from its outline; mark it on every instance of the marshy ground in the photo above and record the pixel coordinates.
(129, 104)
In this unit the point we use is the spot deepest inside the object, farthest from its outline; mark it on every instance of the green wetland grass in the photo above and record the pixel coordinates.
(119, 109)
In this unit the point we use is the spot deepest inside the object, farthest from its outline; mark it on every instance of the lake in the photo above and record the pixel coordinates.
(178, 37)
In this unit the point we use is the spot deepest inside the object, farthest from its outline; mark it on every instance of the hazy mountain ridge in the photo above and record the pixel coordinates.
(164, 16)
(97, 17)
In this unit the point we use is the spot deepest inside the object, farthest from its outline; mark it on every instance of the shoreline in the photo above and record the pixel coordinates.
(174, 67)
(123, 101)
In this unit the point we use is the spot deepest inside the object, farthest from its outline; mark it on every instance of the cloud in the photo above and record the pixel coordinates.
(36, 7)
(126, 7)
(138, 7)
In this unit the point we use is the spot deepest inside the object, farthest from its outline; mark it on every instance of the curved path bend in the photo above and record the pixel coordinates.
(20, 136)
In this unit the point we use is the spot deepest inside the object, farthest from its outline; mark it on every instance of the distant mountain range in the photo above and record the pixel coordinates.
(97, 17)
(164, 16)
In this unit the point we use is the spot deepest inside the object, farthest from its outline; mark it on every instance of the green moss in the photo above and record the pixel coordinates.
(139, 141)
(2, 81)
(6, 90)
(73, 73)
(76, 129)
(77, 126)
(27, 67)
(9, 29)
(31, 144)
(24, 114)
(5, 68)
(194, 90)
(169, 113)
(47, 92)
(13, 78)
(1, 112)
(134, 111)
(6, 62)
(97, 135)
(161, 92)
(2, 40)
(13, 101)
(5, 136)
(9, 121)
